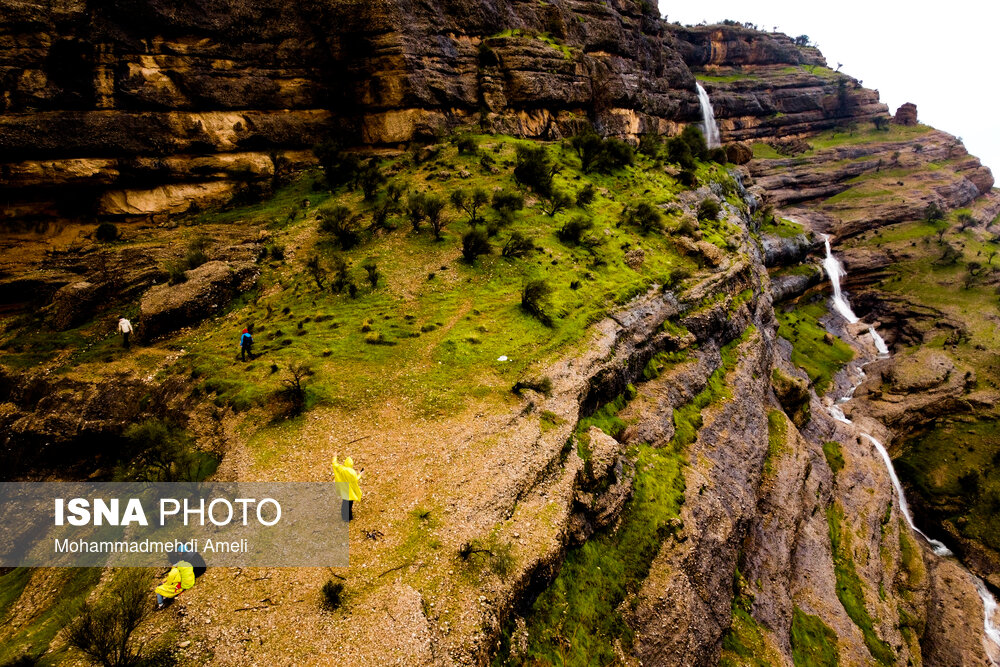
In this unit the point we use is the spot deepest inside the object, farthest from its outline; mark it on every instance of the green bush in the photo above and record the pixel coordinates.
(534, 300)
(339, 166)
(104, 629)
(708, 209)
(518, 245)
(599, 154)
(643, 215)
(337, 221)
(534, 169)
(555, 202)
(585, 196)
(474, 244)
(573, 230)
(506, 201)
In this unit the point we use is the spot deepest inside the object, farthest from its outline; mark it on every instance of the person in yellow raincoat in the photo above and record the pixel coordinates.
(349, 484)
(179, 579)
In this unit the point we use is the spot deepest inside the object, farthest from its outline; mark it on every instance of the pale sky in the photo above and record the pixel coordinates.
(941, 56)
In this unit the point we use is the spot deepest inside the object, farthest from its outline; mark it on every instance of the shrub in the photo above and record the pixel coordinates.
(534, 300)
(466, 144)
(687, 178)
(415, 209)
(692, 136)
(106, 232)
(507, 201)
(332, 595)
(534, 169)
(572, 231)
(679, 152)
(316, 270)
(176, 273)
(370, 177)
(650, 144)
(371, 268)
(474, 244)
(339, 166)
(557, 201)
(276, 251)
(104, 629)
(433, 206)
(518, 245)
(161, 451)
(542, 385)
(340, 278)
(933, 213)
(644, 216)
(603, 155)
(718, 155)
(337, 221)
(585, 195)
(708, 209)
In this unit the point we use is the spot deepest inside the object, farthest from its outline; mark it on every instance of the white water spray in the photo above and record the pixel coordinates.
(708, 127)
(835, 271)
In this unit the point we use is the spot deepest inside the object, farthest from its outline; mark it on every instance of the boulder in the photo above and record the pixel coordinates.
(73, 304)
(906, 114)
(207, 290)
(786, 250)
(739, 152)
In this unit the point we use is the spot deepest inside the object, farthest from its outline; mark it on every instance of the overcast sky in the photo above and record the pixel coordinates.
(943, 57)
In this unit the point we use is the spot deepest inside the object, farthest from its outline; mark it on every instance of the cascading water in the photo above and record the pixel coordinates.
(939, 548)
(835, 271)
(708, 127)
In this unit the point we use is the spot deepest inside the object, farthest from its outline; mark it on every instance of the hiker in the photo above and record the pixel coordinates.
(124, 328)
(179, 579)
(193, 557)
(246, 344)
(348, 482)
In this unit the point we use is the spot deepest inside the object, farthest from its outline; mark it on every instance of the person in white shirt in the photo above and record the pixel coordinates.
(125, 328)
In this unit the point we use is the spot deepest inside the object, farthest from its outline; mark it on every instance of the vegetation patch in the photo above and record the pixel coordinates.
(605, 418)
(577, 620)
(834, 455)
(777, 434)
(849, 588)
(814, 643)
(820, 354)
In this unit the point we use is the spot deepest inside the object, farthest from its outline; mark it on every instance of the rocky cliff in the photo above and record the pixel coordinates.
(153, 108)
(666, 486)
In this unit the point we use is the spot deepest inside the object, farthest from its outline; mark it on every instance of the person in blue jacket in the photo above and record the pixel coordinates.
(246, 344)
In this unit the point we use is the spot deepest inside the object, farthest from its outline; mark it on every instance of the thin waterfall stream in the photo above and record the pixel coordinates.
(835, 270)
(708, 125)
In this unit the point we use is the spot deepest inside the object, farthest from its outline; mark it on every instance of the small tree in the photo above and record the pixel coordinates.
(534, 300)
(474, 244)
(506, 202)
(933, 213)
(340, 277)
(585, 195)
(433, 207)
(104, 630)
(293, 390)
(370, 178)
(470, 203)
(557, 201)
(965, 220)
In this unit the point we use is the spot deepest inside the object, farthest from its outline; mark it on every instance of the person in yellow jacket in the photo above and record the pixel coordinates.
(179, 579)
(349, 484)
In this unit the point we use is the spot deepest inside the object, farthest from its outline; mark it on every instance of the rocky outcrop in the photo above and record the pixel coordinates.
(787, 250)
(906, 114)
(206, 291)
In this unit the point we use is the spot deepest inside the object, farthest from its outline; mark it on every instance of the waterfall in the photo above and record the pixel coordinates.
(708, 126)
(939, 548)
(835, 270)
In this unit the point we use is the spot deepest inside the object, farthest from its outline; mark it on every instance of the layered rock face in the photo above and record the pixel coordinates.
(132, 109)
